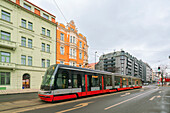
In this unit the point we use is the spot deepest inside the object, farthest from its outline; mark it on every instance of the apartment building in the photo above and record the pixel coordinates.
(123, 63)
(72, 48)
(27, 44)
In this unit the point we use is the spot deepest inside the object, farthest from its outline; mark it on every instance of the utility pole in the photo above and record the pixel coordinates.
(95, 60)
(162, 78)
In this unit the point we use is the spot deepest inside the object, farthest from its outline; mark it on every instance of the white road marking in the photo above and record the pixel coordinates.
(158, 96)
(62, 103)
(125, 94)
(126, 100)
(75, 107)
(160, 91)
(152, 98)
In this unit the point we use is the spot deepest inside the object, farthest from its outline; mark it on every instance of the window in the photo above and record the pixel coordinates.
(27, 6)
(43, 62)
(48, 63)
(74, 52)
(5, 35)
(71, 39)
(30, 25)
(62, 79)
(71, 50)
(48, 32)
(23, 23)
(109, 80)
(5, 57)
(62, 36)
(95, 81)
(43, 31)
(80, 44)
(43, 46)
(4, 78)
(74, 77)
(46, 16)
(23, 59)
(29, 60)
(48, 48)
(62, 50)
(74, 40)
(80, 55)
(5, 16)
(23, 41)
(72, 29)
(30, 43)
(61, 62)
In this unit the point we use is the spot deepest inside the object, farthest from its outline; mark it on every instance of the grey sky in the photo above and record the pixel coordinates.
(140, 27)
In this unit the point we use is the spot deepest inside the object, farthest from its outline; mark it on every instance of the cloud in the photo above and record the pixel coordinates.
(141, 27)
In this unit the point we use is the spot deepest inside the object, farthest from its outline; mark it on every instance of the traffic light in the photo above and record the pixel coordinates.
(159, 69)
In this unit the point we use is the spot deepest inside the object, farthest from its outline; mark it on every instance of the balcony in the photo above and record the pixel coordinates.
(7, 44)
(109, 60)
(109, 64)
(5, 65)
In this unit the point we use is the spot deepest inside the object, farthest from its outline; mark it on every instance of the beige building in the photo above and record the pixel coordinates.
(27, 44)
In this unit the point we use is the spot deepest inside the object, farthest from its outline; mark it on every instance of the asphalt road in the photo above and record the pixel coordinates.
(151, 99)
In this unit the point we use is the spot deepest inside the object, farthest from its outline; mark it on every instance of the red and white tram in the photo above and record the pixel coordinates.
(62, 82)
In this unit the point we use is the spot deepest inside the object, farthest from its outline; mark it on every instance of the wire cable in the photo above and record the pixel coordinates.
(60, 10)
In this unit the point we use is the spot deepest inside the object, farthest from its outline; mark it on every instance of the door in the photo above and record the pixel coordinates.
(120, 82)
(26, 81)
(89, 82)
(100, 81)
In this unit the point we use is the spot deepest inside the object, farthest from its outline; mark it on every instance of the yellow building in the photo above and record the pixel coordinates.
(27, 44)
(72, 48)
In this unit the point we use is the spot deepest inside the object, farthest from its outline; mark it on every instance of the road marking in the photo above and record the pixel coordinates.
(63, 103)
(158, 96)
(160, 91)
(142, 90)
(126, 100)
(152, 98)
(75, 107)
(125, 94)
(167, 96)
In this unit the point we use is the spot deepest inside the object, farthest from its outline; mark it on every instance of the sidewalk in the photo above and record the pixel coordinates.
(17, 91)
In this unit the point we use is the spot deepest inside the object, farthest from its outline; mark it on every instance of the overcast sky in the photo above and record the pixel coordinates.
(140, 27)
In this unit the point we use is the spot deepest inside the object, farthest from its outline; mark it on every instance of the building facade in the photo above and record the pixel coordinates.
(123, 63)
(27, 44)
(148, 73)
(72, 48)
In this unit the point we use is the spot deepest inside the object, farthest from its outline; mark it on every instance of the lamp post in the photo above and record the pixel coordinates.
(95, 60)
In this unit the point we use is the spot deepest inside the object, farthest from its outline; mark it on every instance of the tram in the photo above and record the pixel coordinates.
(62, 82)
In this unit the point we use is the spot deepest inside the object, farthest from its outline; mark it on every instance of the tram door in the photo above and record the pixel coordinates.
(120, 82)
(83, 83)
(100, 81)
(89, 82)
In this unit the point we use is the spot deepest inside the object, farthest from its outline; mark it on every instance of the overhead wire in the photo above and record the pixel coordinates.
(60, 10)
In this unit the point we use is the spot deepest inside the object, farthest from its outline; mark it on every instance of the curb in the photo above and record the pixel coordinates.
(17, 93)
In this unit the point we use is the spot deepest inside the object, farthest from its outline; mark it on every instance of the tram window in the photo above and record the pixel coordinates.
(62, 80)
(124, 81)
(75, 85)
(95, 81)
(129, 79)
(109, 80)
(117, 81)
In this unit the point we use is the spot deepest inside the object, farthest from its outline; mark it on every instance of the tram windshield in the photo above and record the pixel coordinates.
(48, 78)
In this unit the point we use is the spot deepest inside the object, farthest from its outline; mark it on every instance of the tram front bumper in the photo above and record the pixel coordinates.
(48, 98)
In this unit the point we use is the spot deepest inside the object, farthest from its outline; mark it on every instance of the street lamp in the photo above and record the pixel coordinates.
(95, 59)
